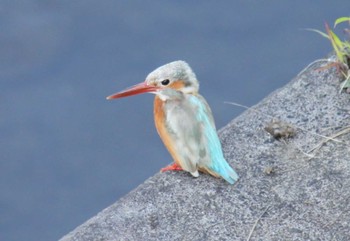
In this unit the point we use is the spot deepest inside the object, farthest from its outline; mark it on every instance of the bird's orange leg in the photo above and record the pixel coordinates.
(172, 167)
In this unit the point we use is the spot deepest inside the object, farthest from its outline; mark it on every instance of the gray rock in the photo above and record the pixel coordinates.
(282, 193)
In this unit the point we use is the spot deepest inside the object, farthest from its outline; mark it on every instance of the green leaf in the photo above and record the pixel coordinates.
(341, 20)
(346, 48)
(345, 84)
(336, 40)
(317, 31)
(335, 43)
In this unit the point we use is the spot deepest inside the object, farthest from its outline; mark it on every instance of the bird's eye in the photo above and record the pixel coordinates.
(165, 82)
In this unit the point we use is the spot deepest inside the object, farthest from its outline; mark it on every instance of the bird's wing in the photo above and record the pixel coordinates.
(213, 161)
(209, 140)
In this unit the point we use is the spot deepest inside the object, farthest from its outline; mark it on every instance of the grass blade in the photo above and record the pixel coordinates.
(317, 31)
(341, 20)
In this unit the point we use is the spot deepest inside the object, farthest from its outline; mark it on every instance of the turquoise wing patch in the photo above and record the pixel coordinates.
(217, 161)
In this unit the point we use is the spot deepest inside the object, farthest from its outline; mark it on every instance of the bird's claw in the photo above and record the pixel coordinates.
(172, 167)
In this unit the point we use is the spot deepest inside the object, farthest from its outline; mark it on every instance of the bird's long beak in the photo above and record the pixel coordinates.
(134, 90)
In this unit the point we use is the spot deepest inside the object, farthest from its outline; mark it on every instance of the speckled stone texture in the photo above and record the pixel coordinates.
(282, 193)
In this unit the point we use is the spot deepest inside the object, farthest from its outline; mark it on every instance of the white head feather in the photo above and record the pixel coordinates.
(175, 71)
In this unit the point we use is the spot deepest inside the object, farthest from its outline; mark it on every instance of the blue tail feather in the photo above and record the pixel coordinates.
(225, 171)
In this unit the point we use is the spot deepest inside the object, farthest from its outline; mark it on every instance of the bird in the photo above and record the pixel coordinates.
(184, 121)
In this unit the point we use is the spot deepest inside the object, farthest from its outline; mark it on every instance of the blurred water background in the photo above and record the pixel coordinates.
(65, 152)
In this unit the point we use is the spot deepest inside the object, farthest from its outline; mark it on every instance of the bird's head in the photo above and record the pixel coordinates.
(166, 81)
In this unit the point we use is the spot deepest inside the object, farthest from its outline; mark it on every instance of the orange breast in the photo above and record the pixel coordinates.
(160, 120)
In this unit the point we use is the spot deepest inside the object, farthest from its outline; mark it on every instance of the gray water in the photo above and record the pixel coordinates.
(66, 152)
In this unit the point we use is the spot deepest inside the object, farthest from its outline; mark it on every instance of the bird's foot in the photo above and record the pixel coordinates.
(172, 167)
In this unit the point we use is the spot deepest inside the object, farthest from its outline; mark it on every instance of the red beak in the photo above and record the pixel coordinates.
(134, 90)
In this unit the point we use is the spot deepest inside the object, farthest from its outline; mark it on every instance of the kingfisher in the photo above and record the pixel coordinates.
(184, 121)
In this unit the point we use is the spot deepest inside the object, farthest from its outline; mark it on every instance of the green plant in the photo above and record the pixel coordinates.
(341, 49)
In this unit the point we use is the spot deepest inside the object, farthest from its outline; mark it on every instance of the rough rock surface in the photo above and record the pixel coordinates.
(283, 192)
